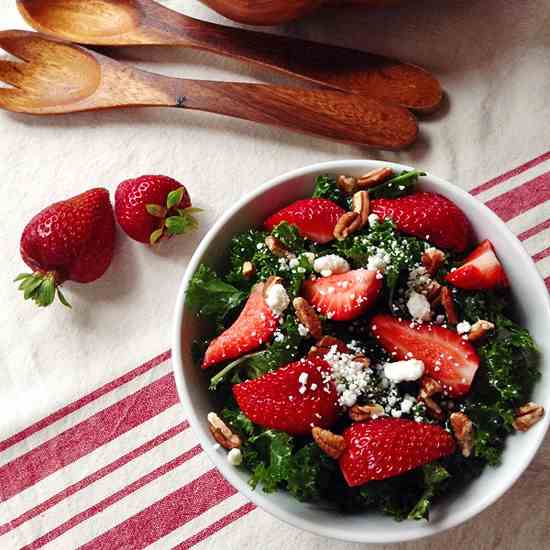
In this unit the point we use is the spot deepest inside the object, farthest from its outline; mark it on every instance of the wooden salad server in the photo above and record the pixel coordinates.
(145, 22)
(56, 77)
(274, 12)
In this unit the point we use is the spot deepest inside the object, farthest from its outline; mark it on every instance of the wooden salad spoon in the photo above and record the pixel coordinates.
(56, 77)
(273, 12)
(145, 22)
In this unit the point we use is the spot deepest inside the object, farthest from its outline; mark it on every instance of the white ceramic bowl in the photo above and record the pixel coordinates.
(533, 311)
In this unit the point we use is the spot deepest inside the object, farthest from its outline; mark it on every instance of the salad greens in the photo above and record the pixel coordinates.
(505, 379)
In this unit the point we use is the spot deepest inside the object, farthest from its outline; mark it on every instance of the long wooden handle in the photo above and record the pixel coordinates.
(342, 68)
(332, 114)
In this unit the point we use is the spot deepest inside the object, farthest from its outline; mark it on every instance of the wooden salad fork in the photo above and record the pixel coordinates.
(145, 22)
(56, 77)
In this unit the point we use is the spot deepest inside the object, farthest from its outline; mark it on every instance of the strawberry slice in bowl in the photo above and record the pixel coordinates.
(447, 357)
(480, 271)
(344, 296)
(315, 218)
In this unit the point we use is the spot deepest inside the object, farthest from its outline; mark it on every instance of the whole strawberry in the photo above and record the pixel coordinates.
(71, 240)
(149, 208)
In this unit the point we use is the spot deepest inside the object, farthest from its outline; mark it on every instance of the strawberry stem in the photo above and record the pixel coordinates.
(216, 379)
(41, 288)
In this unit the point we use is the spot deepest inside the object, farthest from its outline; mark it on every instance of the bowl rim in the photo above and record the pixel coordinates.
(229, 473)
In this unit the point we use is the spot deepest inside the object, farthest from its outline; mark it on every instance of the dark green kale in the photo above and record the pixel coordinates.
(290, 237)
(211, 297)
(305, 473)
(327, 188)
(434, 476)
(398, 186)
(238, 421)
(476, 305)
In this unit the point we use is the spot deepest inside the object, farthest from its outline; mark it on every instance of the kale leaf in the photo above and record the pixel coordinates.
(290, 237)
(434, 475)
(327, 188)
(305, 472)
(212, 297)
(398, 186)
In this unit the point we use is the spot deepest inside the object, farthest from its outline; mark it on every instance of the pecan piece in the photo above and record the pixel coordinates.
(347, 184)
(360, 413)
(276, 247)
(360, 203)
(331, 444)
(463, 430)
(362, 360)
(433, 293)
(432, 259)
(327, 342)
(308, 317)
(248, 270)
(479, 330)
(349, 223)
(448, 305)
(428, 388)
(222, 434)
(527, 416)
(374, 177)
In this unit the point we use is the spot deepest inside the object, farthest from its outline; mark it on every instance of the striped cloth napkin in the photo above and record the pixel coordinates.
(120, 468)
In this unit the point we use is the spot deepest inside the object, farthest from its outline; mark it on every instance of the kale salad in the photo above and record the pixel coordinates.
(364, 348)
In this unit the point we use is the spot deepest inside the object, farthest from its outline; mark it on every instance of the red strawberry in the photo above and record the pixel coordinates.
(389, 447)
(481, 270)
(275, 401)
(447, 357)
(345, 296)
(151, 207)
(71, 240)
(314, 218)
(254, 326)
(428, 216)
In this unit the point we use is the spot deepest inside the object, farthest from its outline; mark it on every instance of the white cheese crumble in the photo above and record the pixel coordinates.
(303, 330)
(235, 457)
(303, 378)
(277, 299)
(464, 327)
(419, 280)
(373, 219)
(419, 307)
(331, 264)
(404, 371)
(379, 261)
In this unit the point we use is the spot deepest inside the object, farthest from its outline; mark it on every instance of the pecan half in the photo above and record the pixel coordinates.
(248, 270)
(331, 444)
(480, 329)
(374, 177)
(222, 434)
(360, 203)
(463, 430)
(349, 223)
(449, 305)
(434, 409)
(432, 259)
(433, 293)
(527, 416)
(362, 360)
(360, 413)
(347, 184)
(429, 387)
(308, 317)
(327, 342)
(276, 247)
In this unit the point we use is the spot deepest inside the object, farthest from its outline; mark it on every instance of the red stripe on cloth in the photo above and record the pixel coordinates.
(523, 198)
(102, 427)
(534, 230)
(216, 526)
(510, 174)
(75, 405)
(541, 255)
(75, 487)
(547, 283)
(169, 513)
(105, 503)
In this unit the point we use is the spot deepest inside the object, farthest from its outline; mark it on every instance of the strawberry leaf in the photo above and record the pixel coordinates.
(156, 210)
(156, 235)
(174, 198)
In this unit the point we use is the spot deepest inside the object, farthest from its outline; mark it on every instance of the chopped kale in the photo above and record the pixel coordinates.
(304, 473)
(290, 237)
(434, 475)
(326, 188)
(212, 297)
(398, 186)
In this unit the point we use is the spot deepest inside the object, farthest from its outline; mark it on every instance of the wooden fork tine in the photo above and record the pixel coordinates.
(12, 73)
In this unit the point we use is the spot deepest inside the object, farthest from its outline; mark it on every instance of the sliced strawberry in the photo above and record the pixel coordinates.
(290, 401)
(314, 218)
(254, 326)
(428, 216)
(480, 271)
(389, 447)
(345, 296)
(447, 357)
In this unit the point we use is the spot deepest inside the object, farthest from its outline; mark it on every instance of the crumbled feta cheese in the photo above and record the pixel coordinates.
(294, 262)
(419, 280)
(407, 403)
(302, 390)
(464, 327)
(440, 319)
(303, 330)
(278, 336)
(373, 219)
(235, 457)
(419, 307)
(330, 264)
(310, 256)
(303, 378)
(378, 261)
(277, 299)
(404, 371)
